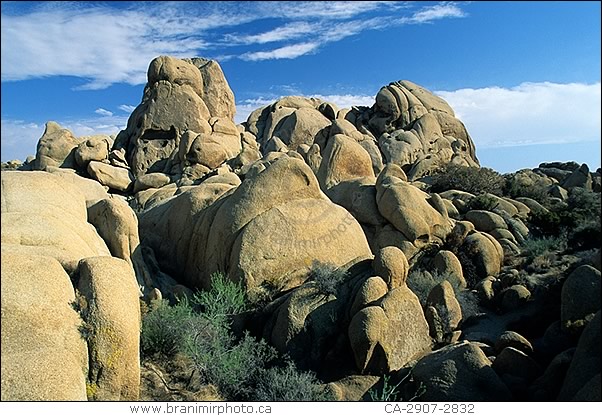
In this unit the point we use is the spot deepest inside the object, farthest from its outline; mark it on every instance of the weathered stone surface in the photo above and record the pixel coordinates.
(514, 297)
(343, 159)
(352, 388)
(585, 365)
(443, 299)
(151, 181)
(392, 266)
(416, 127)
(358, 196)
(45, 215)
(579, 178)
(413, 212)
(459, 372)
(514, 340)
(371, 290)
(116, 178)
(486, 221)
(448, 264)
(44, 357)
(56, 148)
(484, 254)
(112, 314)
(513, 362)
(93, 148)
(580, 296)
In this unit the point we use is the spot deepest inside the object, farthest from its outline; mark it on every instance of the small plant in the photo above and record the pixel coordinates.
(483, 202)
(388, 393)
(535, 247)
(287, 384)
(475, 180)
(224, 299)
(391, 392)
(164, 327)
(327, 277)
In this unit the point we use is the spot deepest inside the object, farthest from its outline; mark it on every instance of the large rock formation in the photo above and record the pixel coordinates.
(184, 123)
(212, 228)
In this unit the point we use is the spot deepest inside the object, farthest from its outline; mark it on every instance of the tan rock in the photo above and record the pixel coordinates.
(112, 314)
(116, 178)
(44, 357)
(486, 221)
(343, 159)
(56, 148)
(392, 266)
(371, 290)
(459, 372)
(93, 148)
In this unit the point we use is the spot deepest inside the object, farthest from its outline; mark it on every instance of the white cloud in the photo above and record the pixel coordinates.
(285, 52)
(103, 112)
(107, 45)
(348, 100)
(287, 32)
(246, 107)
(19, 138)
(530, 113)
(436, 12)
(127, 108)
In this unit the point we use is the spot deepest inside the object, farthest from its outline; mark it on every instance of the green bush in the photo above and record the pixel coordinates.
(287, 384)
(475, 180)
(327, 277)
(534, 247)
(233, 366)
(514, 188)
(241, 368)
(483, 202)
(225, 298)
(164, 327)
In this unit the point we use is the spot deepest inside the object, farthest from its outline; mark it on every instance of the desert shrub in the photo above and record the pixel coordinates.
(391, 391)
(327, 277)
(535, 247)
(579, 218)
(388, 393)
(475, 180)
(223, 299)
(233, 366)
(544, 222)
(483, 202)
(286, 383)
(469, 269)
(201, 330)
(514, 188)
(164, 327)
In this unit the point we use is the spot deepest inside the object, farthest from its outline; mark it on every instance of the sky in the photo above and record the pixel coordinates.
(524, 77)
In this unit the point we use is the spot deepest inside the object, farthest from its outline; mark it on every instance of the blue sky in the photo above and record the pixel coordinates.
(523, 76)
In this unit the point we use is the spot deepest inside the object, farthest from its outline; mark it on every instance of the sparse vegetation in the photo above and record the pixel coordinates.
(483, 202)
(286, 383)
(241, 368)
(475, 180)
(327, 277)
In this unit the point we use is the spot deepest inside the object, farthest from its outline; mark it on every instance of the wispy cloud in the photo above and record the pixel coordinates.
(106, 44)
(285, 52)
(103, 112)
(530, 113)
(127, 108)
(287, 32)
(436, 12)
